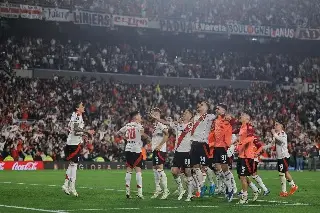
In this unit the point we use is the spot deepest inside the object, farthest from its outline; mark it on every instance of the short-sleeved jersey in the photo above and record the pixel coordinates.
(281, 141)
(246, 139)
(183, 134)
(72, 138)
(222, 132)
(202, 127)
(132, 132)
(157, 136)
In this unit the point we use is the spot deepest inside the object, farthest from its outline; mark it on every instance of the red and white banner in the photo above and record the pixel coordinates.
(30, 12)
(21, 165)
(129, 21)
(9, 10)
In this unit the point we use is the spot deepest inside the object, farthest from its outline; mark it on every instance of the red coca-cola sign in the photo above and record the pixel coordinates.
(21, 165)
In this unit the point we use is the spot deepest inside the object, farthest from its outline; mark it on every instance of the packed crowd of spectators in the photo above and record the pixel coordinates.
(30, 53)
(34, 113)
(260, 12)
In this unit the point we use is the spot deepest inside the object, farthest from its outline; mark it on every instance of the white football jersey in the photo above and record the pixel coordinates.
(201, 127)
(157, 137)
(132, 132)
(72, 138)
(281, 141)
(183, 134)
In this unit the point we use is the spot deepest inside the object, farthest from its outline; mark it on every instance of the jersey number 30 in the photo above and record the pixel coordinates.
(131, 133)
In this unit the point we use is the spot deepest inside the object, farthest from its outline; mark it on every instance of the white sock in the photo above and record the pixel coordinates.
(204, 175)
(179, 182)
(228, 181)
(244, 195)
(291, 183)
(128, 182)
(190, 186)
(139, 182)
(283, 182)
(198, 178)
(222, 179)
(163, 179)
(233, 181)
(253, 187)
(73, 175)
(210, 176)
(258, 179)
(218, 181)
(67, 178)
(157, 180)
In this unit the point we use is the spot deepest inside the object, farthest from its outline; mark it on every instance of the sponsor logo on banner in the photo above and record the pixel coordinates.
(209, 28)
(308, 34)
(239, 29)
(30, 12)
(282, 33)
(91, 18)
(177, 26)
(9, 10)
(56, 14)
(93, 165)
(129, 21)
(311, 87)
(21, 165)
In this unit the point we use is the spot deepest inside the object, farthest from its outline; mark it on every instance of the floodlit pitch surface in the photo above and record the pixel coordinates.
(104, 191)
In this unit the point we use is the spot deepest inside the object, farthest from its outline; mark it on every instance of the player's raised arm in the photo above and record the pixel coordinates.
(164, 139)
(281, 138)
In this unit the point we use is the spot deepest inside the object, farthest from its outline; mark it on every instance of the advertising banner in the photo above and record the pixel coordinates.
(251, 30)
(308, 34)
(209, 28)
(30, 12)
(9, 10)
(87, 165)
(309, 87)
(21, 165)
(56, 14)
(92, 18)
(282, 33)
(177, 26)
(129, 21)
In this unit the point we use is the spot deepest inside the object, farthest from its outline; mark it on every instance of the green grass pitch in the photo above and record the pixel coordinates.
(103, 191)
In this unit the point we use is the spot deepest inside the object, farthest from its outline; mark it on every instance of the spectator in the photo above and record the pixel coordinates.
(313, 157)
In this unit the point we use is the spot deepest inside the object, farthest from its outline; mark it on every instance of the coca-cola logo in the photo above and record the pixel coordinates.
(27, 166)
(1, 166)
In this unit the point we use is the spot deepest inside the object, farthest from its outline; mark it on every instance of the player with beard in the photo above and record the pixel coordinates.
(200, 144)
(181, 159)
(133, 132)
(159, 148)
(73, 148)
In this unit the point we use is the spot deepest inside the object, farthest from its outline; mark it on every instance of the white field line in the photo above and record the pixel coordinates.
(33, 209)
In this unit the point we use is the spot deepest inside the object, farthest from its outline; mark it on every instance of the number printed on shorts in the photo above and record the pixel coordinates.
(131, 134)
(202, 160)
(281, 167)
(187, 162)
(157, 159)
(224, 158)
(243, 169)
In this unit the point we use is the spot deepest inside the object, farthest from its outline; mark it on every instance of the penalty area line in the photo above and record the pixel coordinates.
(33, 209)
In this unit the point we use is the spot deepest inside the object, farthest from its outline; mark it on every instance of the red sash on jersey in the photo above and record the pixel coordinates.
(183, 134)
(196, 124)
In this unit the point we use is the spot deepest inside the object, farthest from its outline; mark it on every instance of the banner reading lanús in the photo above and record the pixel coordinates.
(130, 21)
(9, 10)
(308, 34)
(92, 18)
(30, 12)
(239, 29)
(56, 14)
(282, 33)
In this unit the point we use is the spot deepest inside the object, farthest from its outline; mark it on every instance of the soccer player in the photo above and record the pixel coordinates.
(199, 146)
(283, 156)
(246, 156)
(159, 138)
(222, 129)
(258, 147)
(181, 159)
(72, 149)
(133, 133)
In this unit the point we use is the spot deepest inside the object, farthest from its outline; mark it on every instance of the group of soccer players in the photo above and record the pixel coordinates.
(204, 146)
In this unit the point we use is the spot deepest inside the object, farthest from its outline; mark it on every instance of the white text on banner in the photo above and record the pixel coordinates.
(92, 18)
(30, 12)
(9, 10)
(130, 21)
(56, 14)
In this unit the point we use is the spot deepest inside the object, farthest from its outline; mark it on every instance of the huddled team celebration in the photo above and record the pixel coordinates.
(164, 106)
